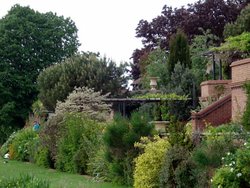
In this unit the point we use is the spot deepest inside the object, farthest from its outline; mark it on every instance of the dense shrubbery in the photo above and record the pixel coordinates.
(79, 141)
(207, 156)
(235, 171)
(119, 138)
(149, 163)
(22, 145)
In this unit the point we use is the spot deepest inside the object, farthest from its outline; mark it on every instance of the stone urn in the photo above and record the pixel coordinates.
(160, 126)
(153, 83)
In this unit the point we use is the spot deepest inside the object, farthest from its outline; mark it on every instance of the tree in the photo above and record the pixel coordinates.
(207, 14)
(86, 101)
(29, 42)
(242, 24)
(179, 51)
(87, 69)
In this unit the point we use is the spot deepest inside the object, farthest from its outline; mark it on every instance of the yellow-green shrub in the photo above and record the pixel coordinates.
(148, 164)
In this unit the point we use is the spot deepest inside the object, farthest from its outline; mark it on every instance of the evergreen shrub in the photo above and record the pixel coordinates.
(149, 163)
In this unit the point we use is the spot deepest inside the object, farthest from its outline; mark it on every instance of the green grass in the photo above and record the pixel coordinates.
(56, 179)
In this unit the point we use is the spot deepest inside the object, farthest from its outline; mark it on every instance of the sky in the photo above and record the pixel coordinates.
(104, 26)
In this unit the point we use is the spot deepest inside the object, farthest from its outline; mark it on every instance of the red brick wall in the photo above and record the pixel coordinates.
(218, 113)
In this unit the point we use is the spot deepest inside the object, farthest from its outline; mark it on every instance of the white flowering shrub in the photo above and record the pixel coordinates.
(235, 171)
(87, 101)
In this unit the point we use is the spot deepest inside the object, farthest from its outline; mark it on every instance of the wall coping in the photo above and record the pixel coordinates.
(240, 62)
(216, 82)
(211, 107)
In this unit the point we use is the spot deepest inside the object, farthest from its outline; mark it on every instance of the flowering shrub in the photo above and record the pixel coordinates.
(148, 164)
(235, 171)
(216, 144)
(22, 145)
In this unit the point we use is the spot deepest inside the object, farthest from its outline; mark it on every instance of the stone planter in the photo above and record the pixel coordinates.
(160, 126)
(153, 83)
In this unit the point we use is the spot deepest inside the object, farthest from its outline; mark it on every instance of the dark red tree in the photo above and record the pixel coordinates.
(206, 14)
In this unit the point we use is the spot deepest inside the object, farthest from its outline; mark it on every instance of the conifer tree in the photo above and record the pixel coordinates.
(179, 51)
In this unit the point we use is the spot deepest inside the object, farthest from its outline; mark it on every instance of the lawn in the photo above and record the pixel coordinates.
(56, 179)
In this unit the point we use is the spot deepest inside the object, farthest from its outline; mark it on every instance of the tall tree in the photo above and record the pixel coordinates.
(29, 42)
(87, 69)
(179, 51)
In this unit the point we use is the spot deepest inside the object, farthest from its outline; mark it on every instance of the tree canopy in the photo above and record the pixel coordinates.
(205, 14)
(29, 42)
(242, 24)
(87, 69)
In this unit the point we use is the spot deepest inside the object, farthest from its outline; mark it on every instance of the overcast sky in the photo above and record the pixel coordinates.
(105, 26)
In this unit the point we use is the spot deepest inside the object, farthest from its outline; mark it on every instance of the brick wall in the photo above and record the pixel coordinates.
(218, 113)
(240, 74)
(214, 89)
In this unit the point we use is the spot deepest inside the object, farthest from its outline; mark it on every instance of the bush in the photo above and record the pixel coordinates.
(49, 135)
(79, 141)
(22, 145)
(148, 164)
(177, 168)
(24, 181)
(42, 157)
(5, 147)
(98, 166)
(119, 139)
(207, 156)
(235, 171)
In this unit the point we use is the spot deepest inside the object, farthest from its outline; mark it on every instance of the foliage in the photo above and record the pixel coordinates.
(24, 145)
(87, 101)
(50, 134)
(199, 47)
(29, 42)
(82, 100)
(236, 43)
(154, 65)
(181, 83)
(163, 96)
(235, 170)
(119, 138)
(83, 70)
(207, 14)
(177, 133)
(42, 157)
(177, 167)
(179, 51)
(98, 166)
(5, 147)
(241, 24)
(148, 164)
(80, 139)
(176, 170)
(151, 64)
(24, 181)
(246, 114)
(217, 142)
